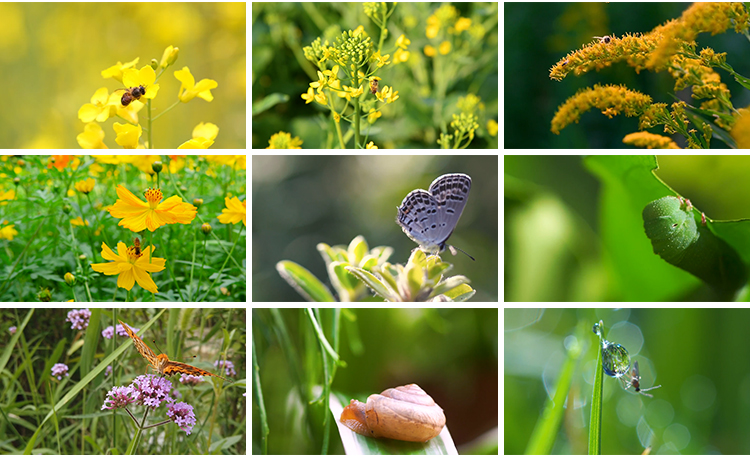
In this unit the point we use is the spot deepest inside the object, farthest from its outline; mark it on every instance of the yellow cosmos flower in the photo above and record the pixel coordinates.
(85, 186)
(130, 266)
(137, 215)
(235, 211)
(8, 232)
(79, 222)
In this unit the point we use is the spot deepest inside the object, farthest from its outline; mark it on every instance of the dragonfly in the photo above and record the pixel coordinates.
(635, 382)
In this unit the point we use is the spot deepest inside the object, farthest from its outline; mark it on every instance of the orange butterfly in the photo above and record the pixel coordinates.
(161, 363)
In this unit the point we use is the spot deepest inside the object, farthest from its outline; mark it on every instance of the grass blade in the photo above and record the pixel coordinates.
(545, 431)
(595, 424)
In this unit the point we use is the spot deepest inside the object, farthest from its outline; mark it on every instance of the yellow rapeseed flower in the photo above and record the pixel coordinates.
(371, 146)
(137, 215)
(85, 186)
(131, 266)
(235, 211)
(283, 140)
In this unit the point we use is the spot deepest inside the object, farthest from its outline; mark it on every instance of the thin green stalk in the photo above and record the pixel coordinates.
(150, 124)
(595, 424)
(213, 282)
(356, 112)
(258, 391)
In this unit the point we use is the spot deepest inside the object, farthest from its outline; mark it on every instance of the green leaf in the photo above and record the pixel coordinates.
(304, 281)
(629, 184)
(355, 444)
(269, 102)
(371, 281)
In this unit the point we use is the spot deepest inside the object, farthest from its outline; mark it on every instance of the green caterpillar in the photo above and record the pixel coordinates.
(678, 239)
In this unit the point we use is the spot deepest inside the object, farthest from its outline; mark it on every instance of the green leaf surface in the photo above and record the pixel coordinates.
(304, 281)
(269, 102)
(595, 424)
(355, 444)
(371, 281)
(629, 184)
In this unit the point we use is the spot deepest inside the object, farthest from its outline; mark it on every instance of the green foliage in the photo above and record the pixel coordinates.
(597, 222)
(51, 416)
(61, 230)
(355, 268)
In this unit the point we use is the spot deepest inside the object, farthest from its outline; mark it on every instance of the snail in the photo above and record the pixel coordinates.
(403, 413)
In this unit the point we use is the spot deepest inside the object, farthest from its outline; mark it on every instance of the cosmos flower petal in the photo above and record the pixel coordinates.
(126, 280)
(144, 279)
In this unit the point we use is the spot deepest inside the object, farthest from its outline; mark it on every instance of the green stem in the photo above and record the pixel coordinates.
(213, 282)
(150, 124)
(595, 423)
(357, 143)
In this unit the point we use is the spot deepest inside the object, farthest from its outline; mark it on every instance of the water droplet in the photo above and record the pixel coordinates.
(597, 328)
(615, 359)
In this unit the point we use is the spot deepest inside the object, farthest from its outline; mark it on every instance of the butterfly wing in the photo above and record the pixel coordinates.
(417, 216)
(451, 192)
(173, 367)
(142, 348)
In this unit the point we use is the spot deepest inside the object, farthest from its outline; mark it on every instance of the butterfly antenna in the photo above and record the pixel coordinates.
(157, 346)
(453, 251)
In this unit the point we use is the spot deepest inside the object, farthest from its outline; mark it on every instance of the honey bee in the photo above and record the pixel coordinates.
(132, 94)
(374, 86)
(605, 39)
(137, 246)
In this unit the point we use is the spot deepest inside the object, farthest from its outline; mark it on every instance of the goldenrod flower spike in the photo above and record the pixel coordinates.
(137, 215)
(649, 140)
(610, 99)
(131, 266)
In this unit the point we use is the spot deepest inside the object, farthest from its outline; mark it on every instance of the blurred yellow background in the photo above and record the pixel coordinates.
(52, 56)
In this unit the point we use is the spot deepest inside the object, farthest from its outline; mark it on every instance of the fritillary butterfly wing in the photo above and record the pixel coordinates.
(162, 363)
(142, 348)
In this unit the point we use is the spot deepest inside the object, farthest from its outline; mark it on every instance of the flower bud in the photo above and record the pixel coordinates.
(198, 202)
(82, 257)
(16, 180)
(157, 166)
(67, 208)
(154, 64)
(44, 295)
(70, 279)
(206, 228)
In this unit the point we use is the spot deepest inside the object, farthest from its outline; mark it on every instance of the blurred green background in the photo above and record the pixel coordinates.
(280, 31)
(697, 355)
(450, 353)
(554, 226)
(300, 201)
(538, 35)
(52, 56)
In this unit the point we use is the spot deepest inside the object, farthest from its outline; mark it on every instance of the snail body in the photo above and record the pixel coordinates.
(403, 413)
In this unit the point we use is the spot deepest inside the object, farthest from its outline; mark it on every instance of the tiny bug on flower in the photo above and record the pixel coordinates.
(132, 94)
(374, 86)
(604, 39)
(137, 246)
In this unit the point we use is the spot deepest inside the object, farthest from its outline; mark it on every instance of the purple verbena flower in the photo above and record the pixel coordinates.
(151, 390)
(182, 414)
(108, 333)
(188, 379)
(12, 330)
(79, 318)
(228, 367)
(118, 397)
(59, 370)
(121, 332)
(107, 371)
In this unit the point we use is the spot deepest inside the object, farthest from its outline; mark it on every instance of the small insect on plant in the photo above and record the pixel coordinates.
(132, 94)
(137, 246)
(604, 39)
(374, 86)
(635, 382)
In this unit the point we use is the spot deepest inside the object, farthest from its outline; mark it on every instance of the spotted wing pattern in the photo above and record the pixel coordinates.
(161, 363)
(429, 217)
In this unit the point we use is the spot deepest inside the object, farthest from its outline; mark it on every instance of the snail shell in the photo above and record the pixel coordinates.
(403, 413)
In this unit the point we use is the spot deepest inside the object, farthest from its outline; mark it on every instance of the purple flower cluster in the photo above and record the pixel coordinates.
(182, 414)
(79, 318)
(151, 390)
(118, 397)
(12, 330)
(228, 367)
(59, 370)
(188, 379)
(109, 332)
